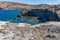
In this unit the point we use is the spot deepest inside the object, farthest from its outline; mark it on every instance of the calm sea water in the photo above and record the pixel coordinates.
(6, 15)
(26, 20)
(10, 15)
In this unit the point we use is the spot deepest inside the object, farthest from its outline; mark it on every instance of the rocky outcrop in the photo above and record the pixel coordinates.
(44, 12)
(42, 15)
(43, 31)
(25, 31)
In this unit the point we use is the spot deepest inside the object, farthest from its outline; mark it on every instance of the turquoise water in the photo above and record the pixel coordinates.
(6, 15)
(10, 15)
(26, 20)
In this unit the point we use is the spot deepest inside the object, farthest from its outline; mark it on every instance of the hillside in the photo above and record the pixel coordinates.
(13, 5)
(46, 28)
(44, 12)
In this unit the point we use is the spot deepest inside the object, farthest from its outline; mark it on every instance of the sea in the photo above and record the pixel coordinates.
(10, 15)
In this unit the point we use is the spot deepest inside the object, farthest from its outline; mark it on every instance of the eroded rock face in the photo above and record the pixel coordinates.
(42, 15)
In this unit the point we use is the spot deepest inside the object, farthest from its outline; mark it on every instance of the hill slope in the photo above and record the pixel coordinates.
(42, 11)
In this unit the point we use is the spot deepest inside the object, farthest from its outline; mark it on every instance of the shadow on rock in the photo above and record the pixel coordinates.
(43, 15)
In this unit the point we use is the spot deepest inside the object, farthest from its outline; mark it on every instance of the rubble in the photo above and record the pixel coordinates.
(24, 31)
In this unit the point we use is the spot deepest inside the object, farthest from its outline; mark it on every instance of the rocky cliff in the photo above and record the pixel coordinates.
(44, 12)
(23, 31)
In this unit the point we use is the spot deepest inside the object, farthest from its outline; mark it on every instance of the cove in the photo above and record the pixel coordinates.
(10, 15)
(6, 15)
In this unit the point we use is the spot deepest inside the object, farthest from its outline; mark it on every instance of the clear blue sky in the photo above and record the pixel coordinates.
(35, 1)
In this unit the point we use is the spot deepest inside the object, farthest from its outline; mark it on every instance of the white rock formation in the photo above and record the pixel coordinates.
(3, 23)
(23, 24)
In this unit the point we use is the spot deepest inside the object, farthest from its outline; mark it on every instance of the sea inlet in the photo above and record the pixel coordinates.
(10, 15)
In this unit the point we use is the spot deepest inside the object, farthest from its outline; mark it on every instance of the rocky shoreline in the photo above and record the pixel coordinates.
(24, 31)
(41, 13)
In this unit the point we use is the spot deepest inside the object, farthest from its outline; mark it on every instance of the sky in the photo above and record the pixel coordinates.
(35, 2)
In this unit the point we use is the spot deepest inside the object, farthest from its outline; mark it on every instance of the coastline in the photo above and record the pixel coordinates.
(25, 31)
